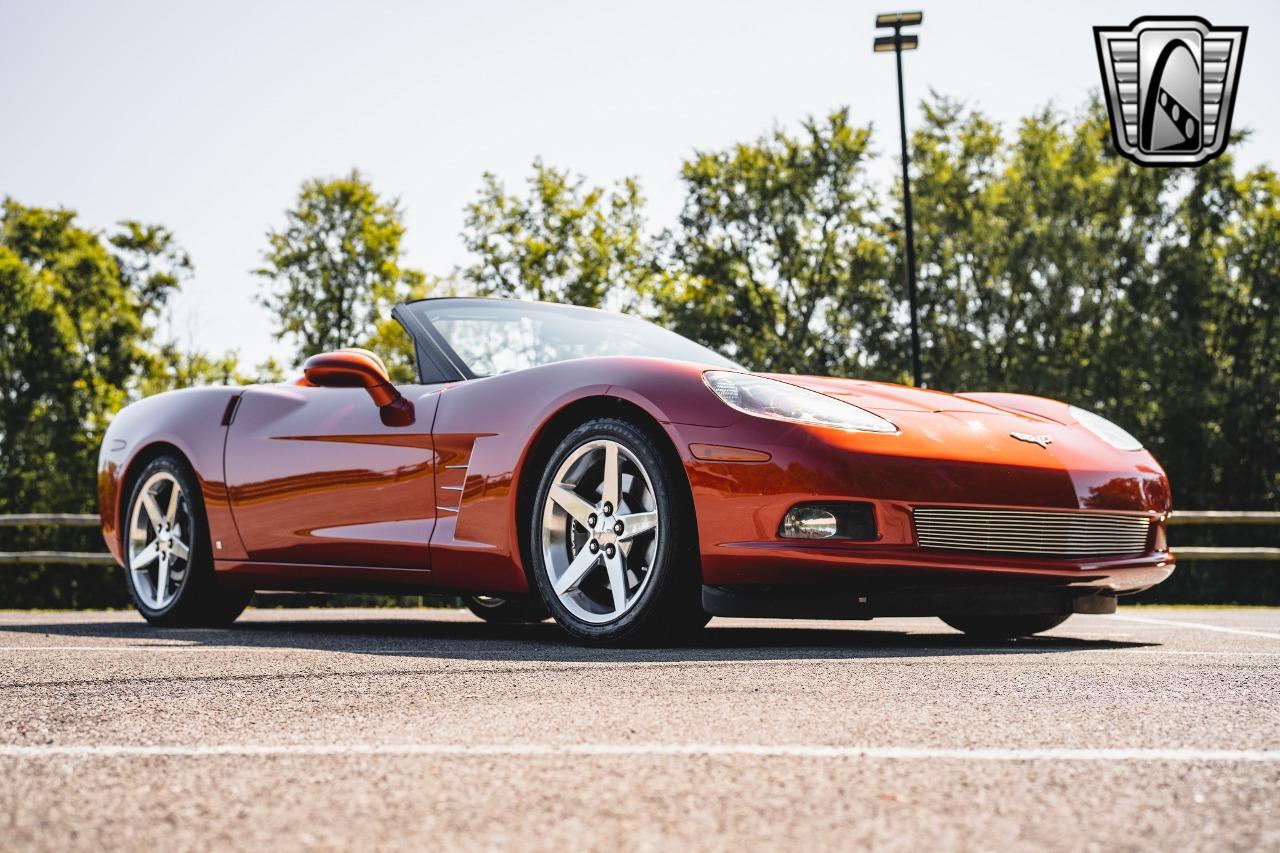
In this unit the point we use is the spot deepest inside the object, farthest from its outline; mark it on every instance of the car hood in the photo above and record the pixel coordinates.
(956, 444)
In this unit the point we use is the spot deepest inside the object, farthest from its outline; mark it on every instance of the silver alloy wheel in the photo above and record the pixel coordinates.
(600, 531)
(159, 541)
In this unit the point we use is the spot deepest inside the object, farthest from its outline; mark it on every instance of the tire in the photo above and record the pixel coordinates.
(1005, 626)
(653, 560)
(168, 559)
(507, 611)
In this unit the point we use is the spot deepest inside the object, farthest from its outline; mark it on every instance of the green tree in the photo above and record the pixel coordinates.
(1247, 326)
(1216, 372)
(174, 367)
(77, 312)
(77, 315)
(1033, 252)
(1052, 266)
(335, 265)
(151, 262)
(779, 259)
(562, 242)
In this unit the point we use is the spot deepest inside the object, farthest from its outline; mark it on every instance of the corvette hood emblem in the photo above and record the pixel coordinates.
(1042, 440)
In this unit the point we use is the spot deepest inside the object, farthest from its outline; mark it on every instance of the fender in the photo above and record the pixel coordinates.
(190, 421)
(475, 538)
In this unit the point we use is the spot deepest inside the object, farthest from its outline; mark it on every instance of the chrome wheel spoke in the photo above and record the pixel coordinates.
(571, 502)
(179, 549)
(145, 557)
(617, 582)
(171, 514)
(152, 508)
(162, 582)
(611, 485)
(636, 523)
(576, 571)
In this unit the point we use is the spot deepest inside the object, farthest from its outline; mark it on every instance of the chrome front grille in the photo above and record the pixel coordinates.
(1020, 531)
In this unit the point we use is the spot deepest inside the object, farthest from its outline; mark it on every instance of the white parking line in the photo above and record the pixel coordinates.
(127, 648)
(640, 749)
(1151, 620)
(121, 648)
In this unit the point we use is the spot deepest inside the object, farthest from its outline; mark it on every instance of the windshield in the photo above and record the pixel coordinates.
(492, 336)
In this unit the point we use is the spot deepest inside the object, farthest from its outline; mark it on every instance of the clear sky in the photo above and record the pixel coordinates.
(206, 117)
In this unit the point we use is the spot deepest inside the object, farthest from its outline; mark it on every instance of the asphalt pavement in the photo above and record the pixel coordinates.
(1153, 729)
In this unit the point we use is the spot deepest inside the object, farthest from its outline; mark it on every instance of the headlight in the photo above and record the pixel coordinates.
(1105, 430)
(769, 398)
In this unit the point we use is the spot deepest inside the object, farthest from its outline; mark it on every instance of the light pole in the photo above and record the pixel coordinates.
(898, 43)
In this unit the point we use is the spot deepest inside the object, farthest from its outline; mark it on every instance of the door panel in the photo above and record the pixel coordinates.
(315, 477)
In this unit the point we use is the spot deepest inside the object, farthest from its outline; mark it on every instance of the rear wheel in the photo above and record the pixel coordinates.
(1005, 626)
(168, 561)
(614, 549)
(506, 611)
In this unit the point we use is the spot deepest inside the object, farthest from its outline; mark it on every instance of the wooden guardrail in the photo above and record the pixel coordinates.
(1178, 519)
(54, 519)
(50, 519)
(1216, 516)
(1213, 516)
(69, 558)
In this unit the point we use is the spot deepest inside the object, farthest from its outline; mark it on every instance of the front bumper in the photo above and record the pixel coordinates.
(873, 566)
(740, 505)
(843, 602)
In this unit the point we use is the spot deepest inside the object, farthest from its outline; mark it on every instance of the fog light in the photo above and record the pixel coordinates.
(809, 522)
(853, 520)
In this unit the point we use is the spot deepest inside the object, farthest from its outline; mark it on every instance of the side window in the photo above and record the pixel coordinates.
(490, 346)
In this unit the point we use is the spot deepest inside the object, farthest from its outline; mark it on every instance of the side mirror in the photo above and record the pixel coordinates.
(359, 368)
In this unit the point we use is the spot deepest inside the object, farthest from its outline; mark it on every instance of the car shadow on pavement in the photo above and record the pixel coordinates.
(476, 641)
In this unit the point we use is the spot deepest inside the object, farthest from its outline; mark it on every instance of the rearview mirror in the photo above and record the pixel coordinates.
(359, 368)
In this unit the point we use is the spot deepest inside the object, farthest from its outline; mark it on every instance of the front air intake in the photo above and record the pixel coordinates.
(1069, 535)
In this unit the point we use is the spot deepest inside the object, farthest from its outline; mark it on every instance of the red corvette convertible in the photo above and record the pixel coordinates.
(588, 466)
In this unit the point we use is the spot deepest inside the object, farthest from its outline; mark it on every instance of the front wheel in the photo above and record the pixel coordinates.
(168, 560)
(1005, 626)
(614, 543)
